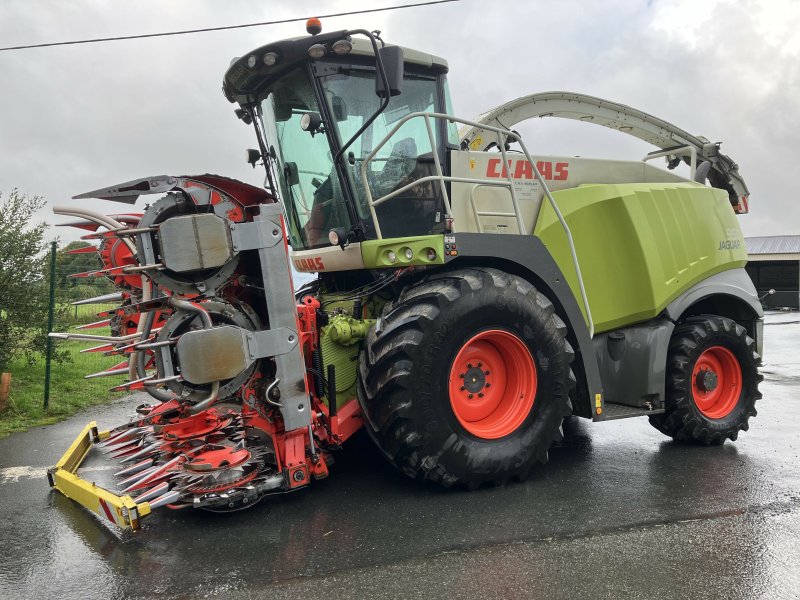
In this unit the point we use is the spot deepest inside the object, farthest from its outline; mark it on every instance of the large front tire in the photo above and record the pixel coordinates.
(712, 381)
(466, 378)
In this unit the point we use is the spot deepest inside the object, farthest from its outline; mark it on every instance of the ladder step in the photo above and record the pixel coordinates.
(613, 411)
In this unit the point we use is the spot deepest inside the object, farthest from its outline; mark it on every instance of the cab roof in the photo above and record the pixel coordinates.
(245, 85)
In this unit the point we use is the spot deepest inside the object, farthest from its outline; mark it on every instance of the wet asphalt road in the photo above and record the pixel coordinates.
(619, 512)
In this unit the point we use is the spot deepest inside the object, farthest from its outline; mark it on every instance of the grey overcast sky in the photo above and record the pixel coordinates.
(76, 118)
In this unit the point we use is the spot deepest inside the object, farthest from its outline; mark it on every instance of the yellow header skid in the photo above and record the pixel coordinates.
(123, 511)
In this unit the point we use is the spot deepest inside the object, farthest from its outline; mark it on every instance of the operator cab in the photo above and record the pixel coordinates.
(321, 97)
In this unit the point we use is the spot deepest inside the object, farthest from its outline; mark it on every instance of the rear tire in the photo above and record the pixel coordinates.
(712, 381)
(458, 323)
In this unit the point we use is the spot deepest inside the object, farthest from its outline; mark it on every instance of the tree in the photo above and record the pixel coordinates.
(70, 288)
(69, 264)
(24, 298)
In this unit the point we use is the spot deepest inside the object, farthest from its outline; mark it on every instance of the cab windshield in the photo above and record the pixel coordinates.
(312, 190)
(307, 178)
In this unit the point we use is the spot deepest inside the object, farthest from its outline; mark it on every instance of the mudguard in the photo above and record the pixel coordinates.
(735, 296)
(735, 283)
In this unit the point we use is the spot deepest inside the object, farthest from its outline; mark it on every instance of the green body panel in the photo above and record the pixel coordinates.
(375, 253)
(640, 245)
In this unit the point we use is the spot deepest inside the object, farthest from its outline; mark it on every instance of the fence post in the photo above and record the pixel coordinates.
(50, 316)
(5, 387)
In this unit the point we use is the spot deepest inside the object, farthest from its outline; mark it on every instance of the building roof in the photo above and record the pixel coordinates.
(773, 244)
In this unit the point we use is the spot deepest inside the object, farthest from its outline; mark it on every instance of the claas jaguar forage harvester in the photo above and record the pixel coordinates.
(469, 295)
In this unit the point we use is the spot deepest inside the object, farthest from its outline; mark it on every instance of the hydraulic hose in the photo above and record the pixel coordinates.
(158, 394)
(179, 304)
(208, 401)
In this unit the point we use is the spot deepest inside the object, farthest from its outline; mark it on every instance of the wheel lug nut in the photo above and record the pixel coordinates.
(487, 384)
(461, 375)
(486, 372)
(469, 365)
(480, 365)
(463, 388)
(470, 396)
(480, 394)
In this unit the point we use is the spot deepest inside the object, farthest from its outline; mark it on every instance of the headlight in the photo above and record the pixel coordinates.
(317, 51)
(310, 122)
(342, 47)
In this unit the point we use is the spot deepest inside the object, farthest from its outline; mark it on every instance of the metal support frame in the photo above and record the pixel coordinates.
(503, 136)
(270, 342)
(282, 311)
(253, 235)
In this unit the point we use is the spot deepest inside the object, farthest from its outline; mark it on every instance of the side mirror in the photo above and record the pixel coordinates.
(243, 115)
(393, 63)
(291, 174)
(283, 112)
(253, 156)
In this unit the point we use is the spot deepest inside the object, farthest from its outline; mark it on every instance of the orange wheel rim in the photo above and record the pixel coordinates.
(492, 384)
(716, 382)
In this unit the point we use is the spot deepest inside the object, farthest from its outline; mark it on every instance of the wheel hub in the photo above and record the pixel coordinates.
(707, 380)
(474, 379)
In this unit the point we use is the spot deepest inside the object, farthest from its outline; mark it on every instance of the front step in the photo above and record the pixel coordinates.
(613, 411)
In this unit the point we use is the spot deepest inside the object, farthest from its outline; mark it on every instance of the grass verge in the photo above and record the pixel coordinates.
(69, 391)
